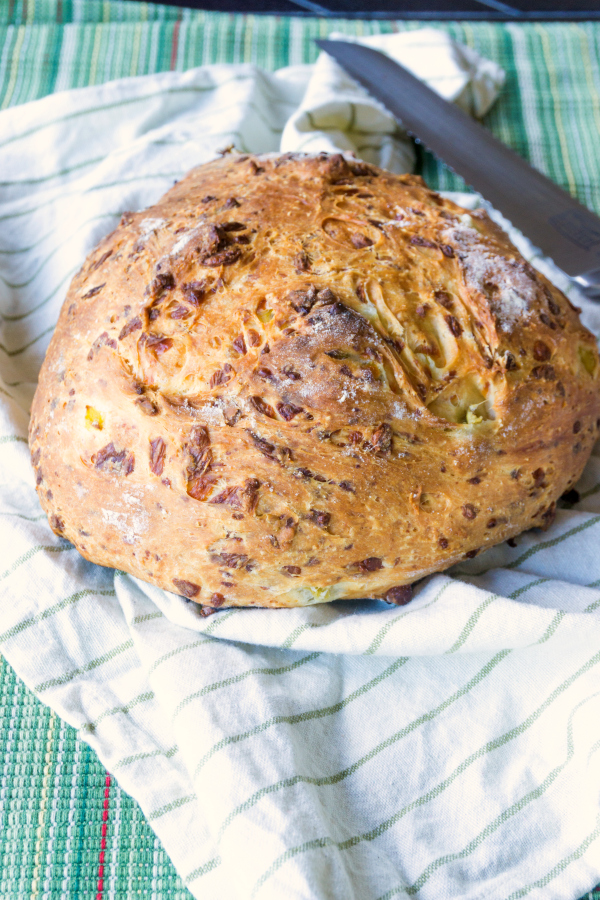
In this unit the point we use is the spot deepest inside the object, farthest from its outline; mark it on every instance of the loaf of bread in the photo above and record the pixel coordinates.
(298, 379)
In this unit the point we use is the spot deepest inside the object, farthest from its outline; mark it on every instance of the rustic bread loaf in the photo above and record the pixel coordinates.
(300, 378)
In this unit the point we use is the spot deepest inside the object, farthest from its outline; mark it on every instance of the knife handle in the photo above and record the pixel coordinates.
(589, 284)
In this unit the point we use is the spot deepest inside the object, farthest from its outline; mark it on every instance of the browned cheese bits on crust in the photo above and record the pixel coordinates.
(301, 379)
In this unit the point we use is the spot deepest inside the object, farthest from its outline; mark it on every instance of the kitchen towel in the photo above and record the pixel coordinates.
(445, 749)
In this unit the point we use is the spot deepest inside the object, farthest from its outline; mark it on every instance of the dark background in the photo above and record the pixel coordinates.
(407, 9)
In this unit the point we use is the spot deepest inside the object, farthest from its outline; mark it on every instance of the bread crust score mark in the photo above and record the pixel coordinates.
(297, 379)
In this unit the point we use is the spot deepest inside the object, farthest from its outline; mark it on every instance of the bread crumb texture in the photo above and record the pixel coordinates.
(301, 378)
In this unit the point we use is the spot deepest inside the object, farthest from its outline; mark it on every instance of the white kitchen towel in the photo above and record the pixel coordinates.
(446, 749)
(338, 114)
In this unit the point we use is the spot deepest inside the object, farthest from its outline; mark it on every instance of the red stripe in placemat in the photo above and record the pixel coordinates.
(175, 44)
(103, 841)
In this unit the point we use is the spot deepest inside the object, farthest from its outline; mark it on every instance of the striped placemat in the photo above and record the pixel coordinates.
(66, 828)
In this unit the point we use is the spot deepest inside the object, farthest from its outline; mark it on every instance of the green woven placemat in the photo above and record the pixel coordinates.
(66, 828)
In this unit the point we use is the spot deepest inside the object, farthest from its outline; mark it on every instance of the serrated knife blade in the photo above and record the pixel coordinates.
(562, 228)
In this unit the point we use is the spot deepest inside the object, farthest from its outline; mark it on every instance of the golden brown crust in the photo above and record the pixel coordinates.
(297, 379)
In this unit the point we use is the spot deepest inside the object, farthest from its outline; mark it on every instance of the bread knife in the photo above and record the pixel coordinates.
(556, 223)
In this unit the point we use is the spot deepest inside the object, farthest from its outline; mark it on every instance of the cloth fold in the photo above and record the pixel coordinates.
(336, 113)
(445, 749)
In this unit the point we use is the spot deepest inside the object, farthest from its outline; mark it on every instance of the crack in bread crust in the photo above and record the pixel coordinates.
(301, 378)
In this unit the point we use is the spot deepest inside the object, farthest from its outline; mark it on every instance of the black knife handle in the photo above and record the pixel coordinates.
(589, 284)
